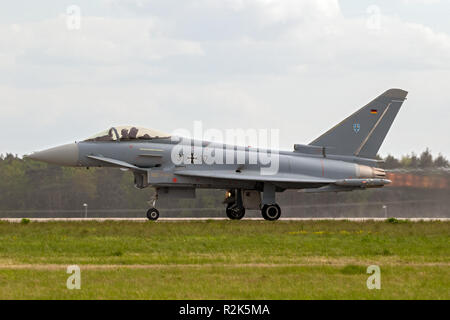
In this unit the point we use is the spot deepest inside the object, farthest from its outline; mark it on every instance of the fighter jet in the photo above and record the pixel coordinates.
(341, 159)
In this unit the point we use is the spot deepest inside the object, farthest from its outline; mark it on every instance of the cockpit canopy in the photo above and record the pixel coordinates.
(128, 133)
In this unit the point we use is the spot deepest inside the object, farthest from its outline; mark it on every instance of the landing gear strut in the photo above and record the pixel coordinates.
(270, 210)
(235, 208)
(153, 213)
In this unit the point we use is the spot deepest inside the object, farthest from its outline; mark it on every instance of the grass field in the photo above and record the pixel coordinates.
(225, 260)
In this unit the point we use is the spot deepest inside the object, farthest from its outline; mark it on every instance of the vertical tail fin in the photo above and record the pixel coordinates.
(362, 133)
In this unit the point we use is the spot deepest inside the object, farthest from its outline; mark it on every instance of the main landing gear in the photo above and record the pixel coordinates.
(271, 212)
(235, 209)
(237, 201)
(234, 212)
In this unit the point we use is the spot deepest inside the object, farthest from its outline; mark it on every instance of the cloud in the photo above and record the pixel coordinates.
(296, 65)
(288, 33)
(276, 11)
(100, 40)
(299, 32)
(421, 1)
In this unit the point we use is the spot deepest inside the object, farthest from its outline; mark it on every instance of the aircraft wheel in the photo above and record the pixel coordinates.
(271, 212)
(152, 214)
(235, 213)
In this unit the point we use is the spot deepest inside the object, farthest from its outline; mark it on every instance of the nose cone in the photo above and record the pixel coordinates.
(66, 155)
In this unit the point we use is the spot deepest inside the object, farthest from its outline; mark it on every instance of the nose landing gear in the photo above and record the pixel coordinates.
(153, 213)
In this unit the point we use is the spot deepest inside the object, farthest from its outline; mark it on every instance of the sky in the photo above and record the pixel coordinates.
(70, 69)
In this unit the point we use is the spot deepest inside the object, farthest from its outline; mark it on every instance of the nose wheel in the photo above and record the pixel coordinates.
(152, 214)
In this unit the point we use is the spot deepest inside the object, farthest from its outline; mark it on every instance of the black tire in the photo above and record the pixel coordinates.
(271, 212)
(234, 212)
(152, 214)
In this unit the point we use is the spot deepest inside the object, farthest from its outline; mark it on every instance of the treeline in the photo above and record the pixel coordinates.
(412, 161)
(30, 185)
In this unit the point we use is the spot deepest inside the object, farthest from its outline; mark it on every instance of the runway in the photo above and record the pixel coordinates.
(17, 220)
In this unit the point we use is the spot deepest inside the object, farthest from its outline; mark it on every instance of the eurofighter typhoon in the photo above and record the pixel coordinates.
(341, 159)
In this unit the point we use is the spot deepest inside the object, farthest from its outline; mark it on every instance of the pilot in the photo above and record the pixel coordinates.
(133, 133)
(124, 134)
(110, 135)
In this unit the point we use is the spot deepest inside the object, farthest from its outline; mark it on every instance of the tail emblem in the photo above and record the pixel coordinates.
(356, 127)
